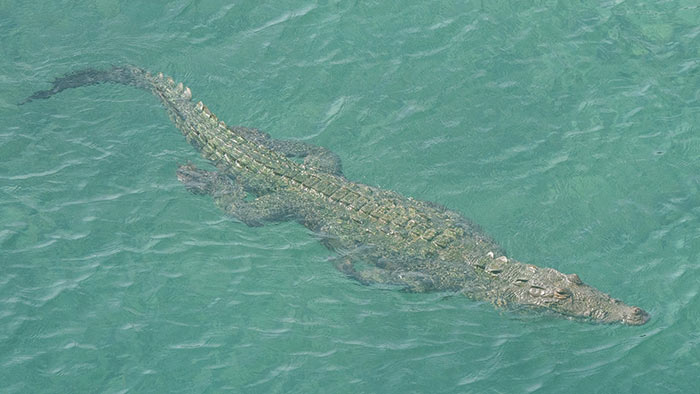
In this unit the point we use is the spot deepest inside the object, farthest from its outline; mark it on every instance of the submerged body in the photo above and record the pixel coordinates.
(381, 236)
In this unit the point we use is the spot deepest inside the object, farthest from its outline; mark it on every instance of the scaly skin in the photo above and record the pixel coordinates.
(415, 244)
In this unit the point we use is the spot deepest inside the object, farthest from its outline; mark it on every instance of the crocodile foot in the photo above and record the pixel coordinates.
(198, 181)
(412, 282)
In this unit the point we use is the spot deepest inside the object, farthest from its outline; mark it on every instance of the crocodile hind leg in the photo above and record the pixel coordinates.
(314, 156)
(231, 197)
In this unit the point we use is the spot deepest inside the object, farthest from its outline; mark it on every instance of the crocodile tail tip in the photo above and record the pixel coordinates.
(125, 75)
(70, 80)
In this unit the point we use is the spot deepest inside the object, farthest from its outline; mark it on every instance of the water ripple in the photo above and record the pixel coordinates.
(567, 133)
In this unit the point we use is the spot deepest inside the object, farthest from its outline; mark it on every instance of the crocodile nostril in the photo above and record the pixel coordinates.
(637, 316)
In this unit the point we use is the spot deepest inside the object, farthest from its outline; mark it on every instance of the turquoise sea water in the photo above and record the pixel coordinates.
(570, 131)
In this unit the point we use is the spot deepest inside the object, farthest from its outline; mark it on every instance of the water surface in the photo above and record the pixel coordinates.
(568, 132)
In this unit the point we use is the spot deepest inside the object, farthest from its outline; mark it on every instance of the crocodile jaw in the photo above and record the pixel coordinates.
(528, 286)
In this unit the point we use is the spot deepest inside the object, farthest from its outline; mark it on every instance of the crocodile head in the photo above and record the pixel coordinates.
(546, 288)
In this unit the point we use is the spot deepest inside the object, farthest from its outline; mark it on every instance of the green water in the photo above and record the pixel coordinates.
(568, 130)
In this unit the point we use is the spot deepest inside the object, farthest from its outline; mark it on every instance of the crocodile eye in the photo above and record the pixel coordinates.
(494, 268)
(562, 293)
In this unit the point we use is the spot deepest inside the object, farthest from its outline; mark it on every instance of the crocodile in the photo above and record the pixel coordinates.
(380, 236)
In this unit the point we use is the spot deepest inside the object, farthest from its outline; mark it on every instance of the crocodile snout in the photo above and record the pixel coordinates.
(636, 316)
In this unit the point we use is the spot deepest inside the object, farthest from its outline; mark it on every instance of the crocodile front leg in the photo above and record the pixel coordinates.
(314, 156)
(231, 197)
(414, 282)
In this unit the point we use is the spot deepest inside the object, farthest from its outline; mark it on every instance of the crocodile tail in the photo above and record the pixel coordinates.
(124, 75)
(175, 97)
